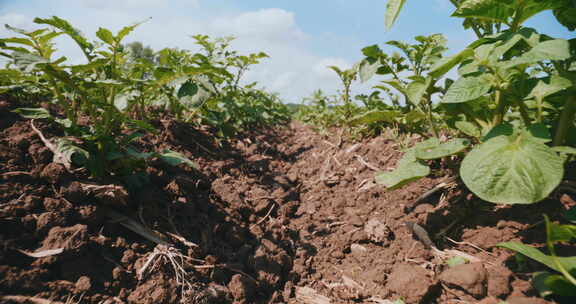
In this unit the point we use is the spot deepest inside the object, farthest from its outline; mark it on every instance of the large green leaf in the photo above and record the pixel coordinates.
(468, 88)
(373, 117)
(549, 86)
(409, 169)
(451, 147)
(416, 90)
(515, 169)
(393, 8)
(548, 284)
(569, 263)
(490, 10)
(533, 7)
(556, 49)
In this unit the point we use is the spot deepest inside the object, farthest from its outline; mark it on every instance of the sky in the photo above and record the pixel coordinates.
(302, 37)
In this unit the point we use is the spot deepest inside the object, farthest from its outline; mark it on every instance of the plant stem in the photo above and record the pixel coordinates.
(566, 120)
(500, 108)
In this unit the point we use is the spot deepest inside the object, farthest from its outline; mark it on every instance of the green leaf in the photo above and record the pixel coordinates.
(105, 35)
(409, 169)
(490, 10)
(556, 49)
(372, 51)
(548, 284)
(27, 61)
(517, 169)
(69, 30)
(163, 74)
(128, 29)
(566, 17)
(571, 215)
(23, 41)
(16, 30)
(451, 147)
(561, 233)
(533, 7)
(373, 117)
(416, 90)
(174, 158)
(187, 89)
(393, 8)
(565, 150)
(368, 68)
(569, 263)
(33, 113)
(499, 130)
(446, 64)
(468, 88)
(468, 128)
(540, 132)
(547, 87)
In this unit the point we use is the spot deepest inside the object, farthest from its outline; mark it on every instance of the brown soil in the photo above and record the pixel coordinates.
(275, 216)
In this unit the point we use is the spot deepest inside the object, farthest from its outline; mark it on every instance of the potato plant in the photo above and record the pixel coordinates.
(514, 97)
(108, 100)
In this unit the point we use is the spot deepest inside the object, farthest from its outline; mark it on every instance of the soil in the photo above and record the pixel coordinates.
(281, 215)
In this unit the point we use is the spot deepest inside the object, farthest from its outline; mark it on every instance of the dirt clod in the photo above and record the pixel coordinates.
(410, 282)
(242, 288)
(468, 277)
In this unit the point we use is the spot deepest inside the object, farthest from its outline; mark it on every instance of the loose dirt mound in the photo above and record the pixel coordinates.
(276, 216)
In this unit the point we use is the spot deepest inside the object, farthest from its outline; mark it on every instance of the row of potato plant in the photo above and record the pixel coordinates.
(515, 100)
(108, 101)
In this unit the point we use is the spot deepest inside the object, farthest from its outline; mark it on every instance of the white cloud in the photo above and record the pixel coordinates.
(267, 25)
(15, 20)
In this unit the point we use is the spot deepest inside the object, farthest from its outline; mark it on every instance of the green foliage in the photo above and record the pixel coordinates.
(412, 167)
(512, 169)
(108, 100)
(514, 97)
(393, 8)
(547, 283)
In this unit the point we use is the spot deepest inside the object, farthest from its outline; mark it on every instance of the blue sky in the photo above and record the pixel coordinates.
(301, 36)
